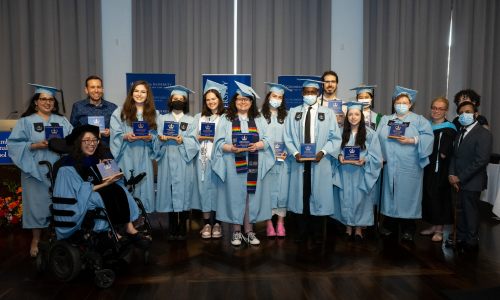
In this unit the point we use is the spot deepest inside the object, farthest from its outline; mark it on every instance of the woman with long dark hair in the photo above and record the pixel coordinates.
(240, 192)
(28, 146)
(199, 148)
(175, 171)
(136, 153)
(353, 179)
(276, 181)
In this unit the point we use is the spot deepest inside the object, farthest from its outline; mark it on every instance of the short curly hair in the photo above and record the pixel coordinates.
(469, 93)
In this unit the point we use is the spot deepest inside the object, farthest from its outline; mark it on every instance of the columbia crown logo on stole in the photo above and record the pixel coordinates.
(39, 128)
(140, 125)
(91, 178)
(54, 131)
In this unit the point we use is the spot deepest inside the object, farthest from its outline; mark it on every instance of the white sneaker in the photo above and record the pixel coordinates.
(217, 232)
(236, 239)
(250, 238)
(206, 232)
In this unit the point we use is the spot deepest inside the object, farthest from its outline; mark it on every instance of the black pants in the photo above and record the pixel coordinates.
(467, 215)
(183, 216)
(306, 221)
(407, 225)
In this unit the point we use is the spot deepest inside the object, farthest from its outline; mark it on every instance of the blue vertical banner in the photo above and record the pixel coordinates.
(158, 83)
(294, 98)
(228, 80)
(4, 153)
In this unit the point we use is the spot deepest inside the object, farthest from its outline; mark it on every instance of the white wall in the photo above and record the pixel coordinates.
(347, 32)
(117, 59)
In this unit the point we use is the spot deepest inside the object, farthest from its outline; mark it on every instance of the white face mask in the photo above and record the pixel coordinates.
(274, 103)
(369, 101)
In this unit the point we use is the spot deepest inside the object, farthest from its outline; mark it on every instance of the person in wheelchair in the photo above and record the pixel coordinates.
(79, 187)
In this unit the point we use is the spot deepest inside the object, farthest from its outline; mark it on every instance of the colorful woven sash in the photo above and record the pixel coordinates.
(252, 167)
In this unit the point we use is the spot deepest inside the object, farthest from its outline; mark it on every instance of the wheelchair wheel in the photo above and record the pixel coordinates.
(104, 278)
(41, 262)
(65, 261)
(145, 256)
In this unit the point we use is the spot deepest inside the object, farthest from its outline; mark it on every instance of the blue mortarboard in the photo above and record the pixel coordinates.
(245, 90)
(179, 90)
(364, 89)
(412, 94)
(355, 105)
(311, 83)
(211, 85)
(277, 88)
(49, 91)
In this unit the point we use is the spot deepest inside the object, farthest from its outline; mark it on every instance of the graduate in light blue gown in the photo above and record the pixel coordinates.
(79, 180)
(27, 146)
(406, 158)
(136, 153)
(175, 170)
(276, 181)
(240, 173)
(204, 196)
(310, 195)
(354, 180)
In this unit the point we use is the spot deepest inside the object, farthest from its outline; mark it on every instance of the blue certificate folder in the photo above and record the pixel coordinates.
(207, 129)
(53, 132)
(97, 121)
(308, 151)
(108, 168)
(279, 148)
(336, 105)
(171, 128)
(141, 128)
(397, 130)
(351, 153)
(243, 140)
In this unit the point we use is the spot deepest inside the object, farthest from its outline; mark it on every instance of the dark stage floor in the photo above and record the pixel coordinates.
(276, 269)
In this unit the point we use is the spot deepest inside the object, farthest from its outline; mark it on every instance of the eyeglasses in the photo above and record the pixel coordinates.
(45, 100)
(243, 100)
(91, 142)
(330, 82)
(438, 109)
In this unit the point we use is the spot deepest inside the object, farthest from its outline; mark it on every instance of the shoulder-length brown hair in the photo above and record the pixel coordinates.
(129, 111)
(207, 112)
(231, 111)
(360, 136)
(266, 110)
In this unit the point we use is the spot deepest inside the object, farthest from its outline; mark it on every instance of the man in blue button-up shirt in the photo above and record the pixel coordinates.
(93, 106)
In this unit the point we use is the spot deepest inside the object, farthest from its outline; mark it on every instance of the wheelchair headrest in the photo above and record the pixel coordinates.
(59, 146)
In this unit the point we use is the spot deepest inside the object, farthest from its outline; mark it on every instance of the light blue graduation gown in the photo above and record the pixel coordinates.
(69, 184)
(327, 137)
(204, 196)
(353, 184)
(137, 156)
(232, 186)
(34, 183)
(277, 179)
(175, 171)
(404, 171)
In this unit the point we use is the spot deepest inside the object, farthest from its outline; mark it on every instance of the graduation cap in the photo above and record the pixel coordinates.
(49, 91)
(211, 85)
(364, 89)
(412, 94)
(245, 90)
(179, 90)
(71, 138)
(355, 105)
(311, 83)
(277, 88)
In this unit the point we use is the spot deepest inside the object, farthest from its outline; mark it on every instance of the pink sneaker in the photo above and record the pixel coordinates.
(280, 229)
(270, 229)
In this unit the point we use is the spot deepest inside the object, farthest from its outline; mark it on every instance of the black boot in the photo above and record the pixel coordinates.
(173, 231)
(182, 233)
(317, 229)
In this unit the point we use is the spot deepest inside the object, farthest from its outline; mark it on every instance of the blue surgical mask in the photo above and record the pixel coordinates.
(274, 103)
(310, 99)
(402, 108)
(466, 119)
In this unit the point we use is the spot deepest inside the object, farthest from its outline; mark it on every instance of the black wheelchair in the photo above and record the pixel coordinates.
(86, 249)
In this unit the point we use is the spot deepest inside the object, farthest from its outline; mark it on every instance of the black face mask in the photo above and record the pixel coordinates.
(178, 105)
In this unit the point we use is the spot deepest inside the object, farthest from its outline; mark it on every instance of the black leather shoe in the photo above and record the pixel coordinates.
(172, 233)
(459, 243)
(407, 237)
(318, 239)
(346, 236)
(469, 248)
(358, 239)
(300, 236)
(182, 233)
